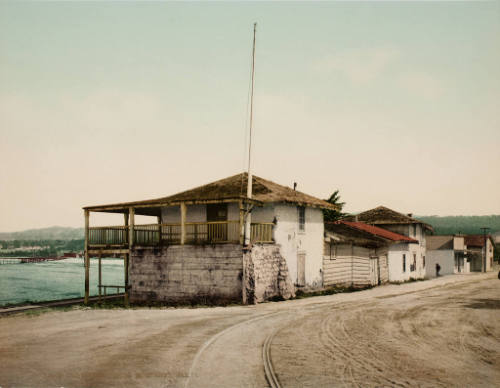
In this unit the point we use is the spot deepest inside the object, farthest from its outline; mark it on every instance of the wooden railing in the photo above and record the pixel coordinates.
(170, 234)
(212, 232)
(262, 232)
(108, 235)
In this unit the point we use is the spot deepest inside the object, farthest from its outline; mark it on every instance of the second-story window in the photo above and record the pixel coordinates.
(302, 218)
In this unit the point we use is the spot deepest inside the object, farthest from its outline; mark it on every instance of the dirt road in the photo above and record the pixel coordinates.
(441, 332)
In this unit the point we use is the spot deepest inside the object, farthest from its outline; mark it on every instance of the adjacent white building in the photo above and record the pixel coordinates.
(407, 260)
(450, 252)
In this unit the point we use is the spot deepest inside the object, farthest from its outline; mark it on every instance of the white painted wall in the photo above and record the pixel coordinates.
(293, 241)
(396, 253)
(445, 258)
(286, 232)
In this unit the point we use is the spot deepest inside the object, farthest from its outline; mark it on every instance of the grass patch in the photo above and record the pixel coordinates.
(300, 294)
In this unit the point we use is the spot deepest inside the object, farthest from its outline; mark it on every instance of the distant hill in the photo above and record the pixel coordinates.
(462, 224)
(52, 233)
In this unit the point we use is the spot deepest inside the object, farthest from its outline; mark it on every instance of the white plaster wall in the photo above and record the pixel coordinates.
(396, 253)
(264, 213)
(292, 241)
(395, 263)
(458, 243)
(445, 258)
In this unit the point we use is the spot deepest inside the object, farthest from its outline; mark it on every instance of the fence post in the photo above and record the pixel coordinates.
(100, 277)
(131, 227)
(183, 223)
(87, 259)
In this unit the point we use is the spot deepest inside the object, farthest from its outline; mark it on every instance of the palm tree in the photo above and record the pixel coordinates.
(330, 215)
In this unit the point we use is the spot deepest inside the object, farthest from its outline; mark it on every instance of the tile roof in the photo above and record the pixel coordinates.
(476, 240)
(379, 232)
(231, 188)
(382, 215)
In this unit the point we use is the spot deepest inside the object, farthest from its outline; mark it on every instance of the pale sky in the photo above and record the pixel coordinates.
(392, 103)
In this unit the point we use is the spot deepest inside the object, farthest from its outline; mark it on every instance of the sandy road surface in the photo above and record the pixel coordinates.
(442, 332)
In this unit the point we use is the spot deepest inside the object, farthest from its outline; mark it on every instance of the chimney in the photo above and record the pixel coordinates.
(294, 185)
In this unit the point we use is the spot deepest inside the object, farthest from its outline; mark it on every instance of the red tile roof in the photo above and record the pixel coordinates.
(476, 240)
(379, 231)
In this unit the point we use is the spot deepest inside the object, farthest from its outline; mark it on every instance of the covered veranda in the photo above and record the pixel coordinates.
(118, 240)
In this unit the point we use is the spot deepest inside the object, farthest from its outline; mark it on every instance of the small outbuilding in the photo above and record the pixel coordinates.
(357, 254)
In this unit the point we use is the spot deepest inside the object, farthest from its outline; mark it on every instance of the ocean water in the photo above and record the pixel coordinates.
(51, 280)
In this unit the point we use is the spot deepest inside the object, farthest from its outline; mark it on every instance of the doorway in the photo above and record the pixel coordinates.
(217, 222)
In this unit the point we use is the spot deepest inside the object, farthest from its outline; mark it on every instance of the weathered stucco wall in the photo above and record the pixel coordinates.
(294, 241)
(186, 273)
(445, 258)
(396, 253)
(266, 274)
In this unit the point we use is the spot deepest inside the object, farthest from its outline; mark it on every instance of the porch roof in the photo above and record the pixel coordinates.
(232, 189)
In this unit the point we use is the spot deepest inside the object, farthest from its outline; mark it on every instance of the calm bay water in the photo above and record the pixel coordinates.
(50, 280)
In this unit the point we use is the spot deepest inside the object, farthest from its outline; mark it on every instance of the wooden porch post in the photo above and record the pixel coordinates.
(131, 213)
(126, 258)
(87, 259)
(183, 223)
(242, 226)
(158, 220)
(100, 277)
(125, 219)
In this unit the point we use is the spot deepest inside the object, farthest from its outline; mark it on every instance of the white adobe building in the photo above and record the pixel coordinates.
(406, 260)
(195, 248)
(297, 220)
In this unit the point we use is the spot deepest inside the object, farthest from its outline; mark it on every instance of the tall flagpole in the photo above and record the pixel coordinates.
(248, 222)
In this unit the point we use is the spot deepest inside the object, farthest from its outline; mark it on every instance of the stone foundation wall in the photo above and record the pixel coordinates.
(266, 274)
(186, 274)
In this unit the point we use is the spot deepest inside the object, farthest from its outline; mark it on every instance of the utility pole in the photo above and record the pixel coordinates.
(484, 229)
(248, 221)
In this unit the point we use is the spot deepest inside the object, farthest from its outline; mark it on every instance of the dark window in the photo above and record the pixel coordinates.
(217, 212)
(404, 262)
(302, 218)
(423, 260)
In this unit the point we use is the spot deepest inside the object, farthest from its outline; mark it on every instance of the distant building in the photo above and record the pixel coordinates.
(475, 251)
(406, 260)
(357, 254)
(450, 252)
